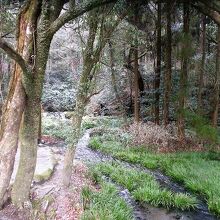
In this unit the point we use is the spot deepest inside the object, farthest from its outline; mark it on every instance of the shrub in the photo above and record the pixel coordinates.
(204, 131)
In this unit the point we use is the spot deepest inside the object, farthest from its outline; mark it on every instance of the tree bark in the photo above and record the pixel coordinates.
(217, 83)
(28, 153)
(114, 81)
(158, 66)
(31, 117)
(136, 71)
(184, 73)
(13, 110)
(168, 64)
(202, 66)
(91, 58)
(136, 88)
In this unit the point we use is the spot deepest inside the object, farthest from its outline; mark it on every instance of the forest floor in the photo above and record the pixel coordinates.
(113, 181)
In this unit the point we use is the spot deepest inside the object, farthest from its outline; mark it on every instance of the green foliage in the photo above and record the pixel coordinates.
(8, 19)
(86, 195)
(144, 187)
(94, 143)
(109, 122)
(57, 127)
(88, 125)
(58, 95)
(202, 127)
(106, 205)
(129, 154)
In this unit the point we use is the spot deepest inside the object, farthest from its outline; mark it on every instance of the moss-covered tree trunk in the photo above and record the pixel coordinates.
(81, 97)
(31, 118)
(28, 153)
(91, 54)
(76, 123)
(15, 103)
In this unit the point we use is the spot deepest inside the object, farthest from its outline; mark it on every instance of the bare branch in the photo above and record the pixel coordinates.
(214, 15)
(75, 12)
(93, 94)
(13, 55)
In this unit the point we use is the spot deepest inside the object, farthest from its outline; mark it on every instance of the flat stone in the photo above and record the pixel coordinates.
(45, 164)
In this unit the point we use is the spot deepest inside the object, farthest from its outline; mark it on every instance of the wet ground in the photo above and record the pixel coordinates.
(67, 202)
(143, 211)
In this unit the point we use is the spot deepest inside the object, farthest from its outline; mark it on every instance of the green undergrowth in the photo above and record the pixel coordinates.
(144, 187)
(61, 127)
(102, 122)
(199, 172)
(57, 127)
(105, 204)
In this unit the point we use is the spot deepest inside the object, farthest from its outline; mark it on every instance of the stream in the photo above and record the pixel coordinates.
(143, 211)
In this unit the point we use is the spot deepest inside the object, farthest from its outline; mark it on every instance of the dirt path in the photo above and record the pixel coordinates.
(59, 203)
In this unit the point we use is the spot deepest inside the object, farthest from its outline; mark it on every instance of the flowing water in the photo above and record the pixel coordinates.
(143, 211)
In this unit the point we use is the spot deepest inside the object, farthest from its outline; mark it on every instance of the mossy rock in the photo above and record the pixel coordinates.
(69, 115)
(39, 178)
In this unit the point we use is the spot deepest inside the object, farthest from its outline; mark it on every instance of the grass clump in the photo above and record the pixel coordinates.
(199, 172)
(106, 204)
(144, 187)
(133, 155)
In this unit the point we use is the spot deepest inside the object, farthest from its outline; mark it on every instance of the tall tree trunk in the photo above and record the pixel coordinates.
(114, 81)
(136, 88)
(31, 118)
(91, 58)
(13, 109)
(9, 139)
(136, 71)
(76, 126)
(202, 65)
(184, 72)
(28, 153)
(168, 64)
(158, 66)
(217, 83)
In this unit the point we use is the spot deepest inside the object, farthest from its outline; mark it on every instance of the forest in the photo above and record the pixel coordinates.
(109, 109)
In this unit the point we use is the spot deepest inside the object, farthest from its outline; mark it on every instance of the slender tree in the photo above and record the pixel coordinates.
(136, 71)
(113, 78)
(202, 65)
(158, 66)
(168, 64)
(217, 82)
(184, 72)
(100, 28)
